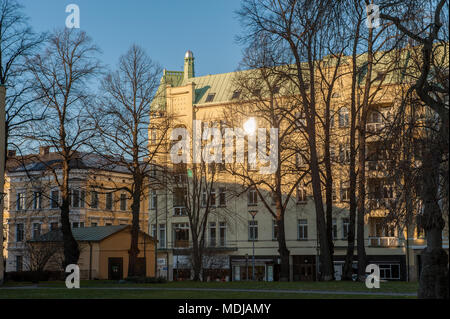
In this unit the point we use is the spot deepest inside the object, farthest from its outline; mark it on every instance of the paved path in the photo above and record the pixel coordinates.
(318, 292)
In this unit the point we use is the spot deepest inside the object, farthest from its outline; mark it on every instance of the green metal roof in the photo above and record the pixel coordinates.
(223, 86)
(82, 234)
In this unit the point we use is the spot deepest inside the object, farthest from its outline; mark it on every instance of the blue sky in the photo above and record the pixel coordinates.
(166, 29)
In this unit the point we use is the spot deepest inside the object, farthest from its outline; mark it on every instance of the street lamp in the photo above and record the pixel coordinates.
(250, 126)
(253, 213)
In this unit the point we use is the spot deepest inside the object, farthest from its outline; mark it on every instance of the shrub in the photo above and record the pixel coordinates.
(34, 276)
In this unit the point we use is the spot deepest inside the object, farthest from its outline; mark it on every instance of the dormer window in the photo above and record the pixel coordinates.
(210, 97)
(236, 95)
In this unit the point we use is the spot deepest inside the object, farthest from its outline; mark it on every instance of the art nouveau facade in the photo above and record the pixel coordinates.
(232, 231)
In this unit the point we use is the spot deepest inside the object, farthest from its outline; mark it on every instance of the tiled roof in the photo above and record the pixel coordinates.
(53, 160)
(81, 234)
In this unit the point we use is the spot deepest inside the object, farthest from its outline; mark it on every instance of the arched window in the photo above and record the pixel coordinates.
(343, 117)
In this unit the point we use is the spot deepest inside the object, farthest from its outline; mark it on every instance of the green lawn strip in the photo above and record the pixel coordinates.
(396, 287)
(63, 293)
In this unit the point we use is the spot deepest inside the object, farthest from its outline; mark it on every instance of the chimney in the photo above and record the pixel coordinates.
(11, 153)
(189, 65)
(44, 150)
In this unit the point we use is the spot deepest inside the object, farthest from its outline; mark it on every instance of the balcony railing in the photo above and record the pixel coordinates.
(374, 127)
(384, 242)
(181, 244)
(179, 211)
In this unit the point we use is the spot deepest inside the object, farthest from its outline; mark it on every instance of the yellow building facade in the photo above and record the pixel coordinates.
(232, 231)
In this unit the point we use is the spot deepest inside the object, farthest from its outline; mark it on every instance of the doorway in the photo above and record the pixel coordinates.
(115, 268)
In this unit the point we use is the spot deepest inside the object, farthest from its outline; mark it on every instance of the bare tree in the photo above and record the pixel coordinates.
(17, 41)
(61, 76)
(265, 95)
(122, 124)
(423, 24)
(294, 26)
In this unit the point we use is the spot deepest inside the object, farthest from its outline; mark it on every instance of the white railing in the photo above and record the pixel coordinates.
(374, 127)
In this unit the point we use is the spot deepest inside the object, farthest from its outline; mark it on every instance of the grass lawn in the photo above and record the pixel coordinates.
(58, 290)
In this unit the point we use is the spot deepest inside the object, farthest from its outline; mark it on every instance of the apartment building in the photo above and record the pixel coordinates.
(32, 197)
(240, 231)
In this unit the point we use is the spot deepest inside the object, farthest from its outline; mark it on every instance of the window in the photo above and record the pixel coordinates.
(94, 224)
(19, 263)
(81, 224)
(333, 195)
(210, 97)
(153, 231)
(236, 95)
(153, 136)
(334, 228)
(300, 118)
(123, 202)
(181, 234)
(222, 197)
(302, 229)
(252, 230)
(345, 192)
(345, 227)
(36, 230)
(343, 117)
(388, 191)
(344, 153)
(20, 203)
(37, 200)
(94, 199)
(153, 171)
(82, 198)
(179, 197)
(75, 198)
(54, 199)
(212, 234)
(301, 195)
(153, 198)
(19, 232)
(274, 230)
(53, 226)
(299, 161)
(75, 225)
(252, 197)
(212, 197)
(389, 271)
(108, 224)
(109, 201)
(222, 234)
(162, 236)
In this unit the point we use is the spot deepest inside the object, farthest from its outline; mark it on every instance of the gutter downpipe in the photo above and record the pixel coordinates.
(90, 260)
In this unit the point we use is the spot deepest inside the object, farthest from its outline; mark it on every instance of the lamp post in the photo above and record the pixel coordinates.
(253, 213)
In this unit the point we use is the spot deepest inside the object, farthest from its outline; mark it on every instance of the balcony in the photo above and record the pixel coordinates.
(179, 211)
(181, 244)
(383, 242)
(374, 127)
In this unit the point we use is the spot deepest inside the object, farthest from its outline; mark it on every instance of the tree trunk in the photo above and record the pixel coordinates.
(360, 238)
(283, 251)
(135, 208)
(196, 260)
(71, 251)
(433, 282)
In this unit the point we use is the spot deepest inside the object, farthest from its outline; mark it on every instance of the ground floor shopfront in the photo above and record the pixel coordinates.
(267, 268)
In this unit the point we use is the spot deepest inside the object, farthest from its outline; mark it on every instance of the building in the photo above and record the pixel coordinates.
(103, 251)
(232, 231)
(31, 203)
